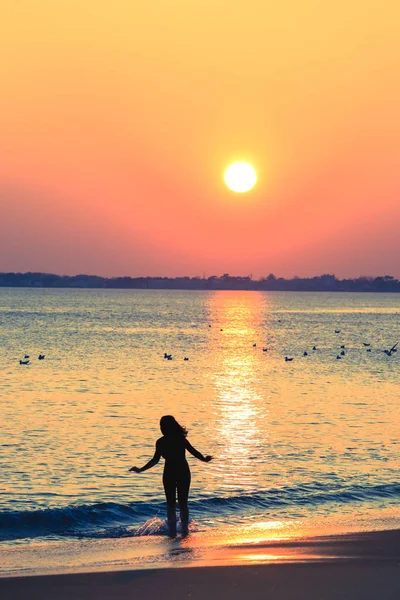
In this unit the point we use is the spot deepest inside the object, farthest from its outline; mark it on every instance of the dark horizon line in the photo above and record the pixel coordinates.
(325, 282)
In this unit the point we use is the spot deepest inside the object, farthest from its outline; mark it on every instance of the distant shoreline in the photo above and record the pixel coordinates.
(321, 283)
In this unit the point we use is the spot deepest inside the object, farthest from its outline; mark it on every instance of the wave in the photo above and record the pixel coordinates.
(109, 519)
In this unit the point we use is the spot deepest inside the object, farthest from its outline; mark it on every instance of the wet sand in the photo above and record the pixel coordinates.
(358, 566)
(333, 581)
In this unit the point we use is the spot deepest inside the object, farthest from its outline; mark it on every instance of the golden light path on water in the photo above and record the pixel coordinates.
(242, 426)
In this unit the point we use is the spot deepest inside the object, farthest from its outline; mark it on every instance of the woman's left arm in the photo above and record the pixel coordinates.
(196, 453)
(150, 464)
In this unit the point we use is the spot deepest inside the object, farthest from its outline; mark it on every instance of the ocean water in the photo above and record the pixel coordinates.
(297, 445)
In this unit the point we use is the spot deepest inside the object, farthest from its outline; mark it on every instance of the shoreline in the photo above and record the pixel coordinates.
(342, 287)
(155, 553)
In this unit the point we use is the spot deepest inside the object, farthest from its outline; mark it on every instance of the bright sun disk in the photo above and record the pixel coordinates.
(240, 177)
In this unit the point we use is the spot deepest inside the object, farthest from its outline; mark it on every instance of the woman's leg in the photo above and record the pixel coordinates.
(169, 481)
(183, 496)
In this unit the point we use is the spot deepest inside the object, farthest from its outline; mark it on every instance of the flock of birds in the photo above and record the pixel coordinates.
(26, 360)
(169, 356)
(342, 353)
(367, 345)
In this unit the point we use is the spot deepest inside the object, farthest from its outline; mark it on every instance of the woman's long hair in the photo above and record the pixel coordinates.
(170, 426)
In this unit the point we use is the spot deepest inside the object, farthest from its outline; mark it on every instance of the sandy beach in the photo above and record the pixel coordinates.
(357, 566)
(346, 581)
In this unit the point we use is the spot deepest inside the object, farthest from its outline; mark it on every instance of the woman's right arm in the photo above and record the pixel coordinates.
(150, 464)
(196, 453)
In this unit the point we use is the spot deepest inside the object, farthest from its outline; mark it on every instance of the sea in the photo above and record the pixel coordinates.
(300, 447)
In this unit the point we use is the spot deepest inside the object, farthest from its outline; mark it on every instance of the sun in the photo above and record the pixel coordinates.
(240, 177)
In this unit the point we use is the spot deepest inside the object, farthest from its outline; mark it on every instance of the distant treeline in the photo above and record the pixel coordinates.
(322, 283)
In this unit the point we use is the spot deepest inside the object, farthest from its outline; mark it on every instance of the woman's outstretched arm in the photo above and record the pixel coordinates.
(151, 463)
(196, 453)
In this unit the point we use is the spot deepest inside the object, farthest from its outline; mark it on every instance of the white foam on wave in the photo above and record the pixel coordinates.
(157, 526)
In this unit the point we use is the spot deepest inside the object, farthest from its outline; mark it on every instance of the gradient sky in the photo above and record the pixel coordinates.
(117, 120)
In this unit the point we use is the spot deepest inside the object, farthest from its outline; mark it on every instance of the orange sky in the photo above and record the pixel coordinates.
(117, 120)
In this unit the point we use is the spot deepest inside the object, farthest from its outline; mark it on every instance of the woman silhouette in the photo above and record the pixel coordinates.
(176, 477)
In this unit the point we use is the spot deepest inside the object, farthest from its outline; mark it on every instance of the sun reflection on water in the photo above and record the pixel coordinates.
(242, 426)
